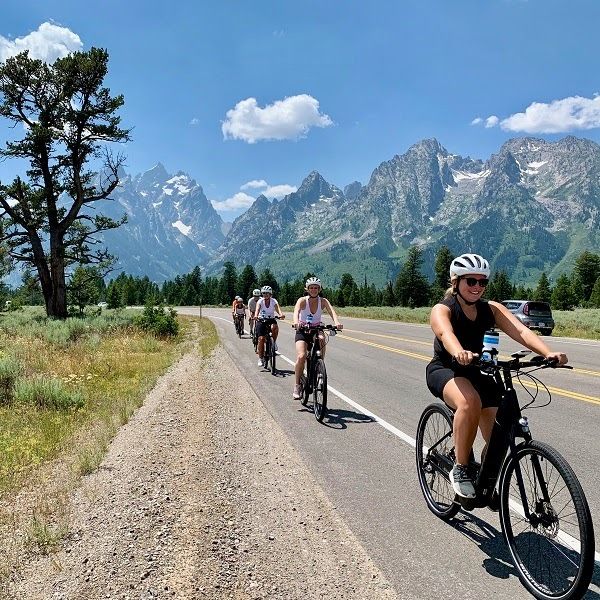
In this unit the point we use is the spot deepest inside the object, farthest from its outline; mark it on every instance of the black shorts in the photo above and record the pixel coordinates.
(262, 327)
(438, 375)
(305, 336)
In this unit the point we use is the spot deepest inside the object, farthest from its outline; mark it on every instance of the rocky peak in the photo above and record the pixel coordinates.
(352, 190)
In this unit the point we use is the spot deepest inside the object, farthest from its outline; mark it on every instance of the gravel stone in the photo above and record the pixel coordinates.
(198, 497)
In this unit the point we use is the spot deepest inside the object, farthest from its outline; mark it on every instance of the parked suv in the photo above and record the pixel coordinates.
(536, 315)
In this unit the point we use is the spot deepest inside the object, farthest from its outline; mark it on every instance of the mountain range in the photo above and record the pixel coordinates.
(530, 208)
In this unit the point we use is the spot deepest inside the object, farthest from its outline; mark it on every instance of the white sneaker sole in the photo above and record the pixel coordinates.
(457, 492)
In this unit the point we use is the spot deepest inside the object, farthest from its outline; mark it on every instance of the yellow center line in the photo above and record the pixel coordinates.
(395, 350)
(553, 390)
(391, 337)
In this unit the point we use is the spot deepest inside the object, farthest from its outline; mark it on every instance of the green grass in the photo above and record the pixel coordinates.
(68, 386)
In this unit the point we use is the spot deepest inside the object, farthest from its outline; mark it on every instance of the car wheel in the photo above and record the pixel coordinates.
(546, 331)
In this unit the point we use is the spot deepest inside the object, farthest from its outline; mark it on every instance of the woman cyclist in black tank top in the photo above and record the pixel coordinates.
(459, 322)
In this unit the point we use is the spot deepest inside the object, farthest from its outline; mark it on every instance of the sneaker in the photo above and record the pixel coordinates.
(260, 363)
(297, 391)
(462, 482)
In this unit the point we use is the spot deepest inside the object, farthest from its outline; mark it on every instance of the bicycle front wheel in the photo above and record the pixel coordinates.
(320, 390)
(267, 354)
(435, 459)
(273, 355)
(553, 550)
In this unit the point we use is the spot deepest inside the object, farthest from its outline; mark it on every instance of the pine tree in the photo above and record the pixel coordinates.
(412, 288)
(50, 221)
(543, 293)
(563, 297)
(594, 301)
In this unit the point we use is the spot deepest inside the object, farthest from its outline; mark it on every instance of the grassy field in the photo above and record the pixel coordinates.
(66, 387)
(579, 323)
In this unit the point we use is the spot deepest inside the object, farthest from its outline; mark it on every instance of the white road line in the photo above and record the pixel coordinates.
(571, 541)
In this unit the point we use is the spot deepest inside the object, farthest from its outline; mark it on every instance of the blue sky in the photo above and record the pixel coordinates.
(251, 96)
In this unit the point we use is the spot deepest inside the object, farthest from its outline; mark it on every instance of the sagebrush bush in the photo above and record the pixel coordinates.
(10, 369)
(158, 320)
(45, 393)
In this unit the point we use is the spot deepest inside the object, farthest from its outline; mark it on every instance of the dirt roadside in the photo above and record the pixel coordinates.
(201, 496)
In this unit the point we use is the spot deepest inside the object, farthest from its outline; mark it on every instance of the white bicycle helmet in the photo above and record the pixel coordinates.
(239, 298)
(266, 289)
(469, 264)
(256, 292)
(313, 281)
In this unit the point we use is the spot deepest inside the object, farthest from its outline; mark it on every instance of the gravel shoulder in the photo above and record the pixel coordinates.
(201, 495)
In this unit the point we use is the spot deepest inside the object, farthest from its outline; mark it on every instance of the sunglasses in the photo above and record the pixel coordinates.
(471, 281)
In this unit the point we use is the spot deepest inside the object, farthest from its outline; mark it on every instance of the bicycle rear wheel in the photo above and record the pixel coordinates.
(435, 459)
(553, 550)
(320, 390)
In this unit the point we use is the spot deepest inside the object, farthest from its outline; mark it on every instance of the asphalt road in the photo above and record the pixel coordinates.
(363, 458)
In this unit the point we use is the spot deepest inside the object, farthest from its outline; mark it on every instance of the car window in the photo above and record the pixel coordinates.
(512, 305)
(539, 308)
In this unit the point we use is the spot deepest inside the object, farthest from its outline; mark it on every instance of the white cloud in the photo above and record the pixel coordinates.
(287, 119)
(568, 114)
(236, 202)
(279, 191)
(491, 121)
(270, 191)
(255, 184)
(48, 43)
(195, 121)
(558, 116)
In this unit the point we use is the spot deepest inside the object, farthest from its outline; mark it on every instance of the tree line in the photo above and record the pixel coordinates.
(580, 288)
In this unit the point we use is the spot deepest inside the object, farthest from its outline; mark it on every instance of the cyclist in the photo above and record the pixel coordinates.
(307, 312)
(252, 308)
(459, 322)
(266, 308)
(238, 310)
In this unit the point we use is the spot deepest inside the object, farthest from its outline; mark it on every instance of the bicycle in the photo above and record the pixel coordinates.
(254, 334)
(315, 380)
(544, 514)
(269, 349)
(238, 321)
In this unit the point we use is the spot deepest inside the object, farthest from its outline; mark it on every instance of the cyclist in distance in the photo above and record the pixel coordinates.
(252, 308)
(459, 322)
(307, 312)
(266, 308)
(238, 308)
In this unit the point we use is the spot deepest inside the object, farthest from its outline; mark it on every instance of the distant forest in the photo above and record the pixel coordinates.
(580, 288)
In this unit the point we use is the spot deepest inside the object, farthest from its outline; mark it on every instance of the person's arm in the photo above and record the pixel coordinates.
(442, 327)
(297, 309)
(257, 308)
(278, 310)
(508, 323)
(331, 312)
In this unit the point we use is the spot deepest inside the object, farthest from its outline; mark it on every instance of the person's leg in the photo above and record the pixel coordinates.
(486, 424)
(300, 360)
(275, 331)
(460, 395)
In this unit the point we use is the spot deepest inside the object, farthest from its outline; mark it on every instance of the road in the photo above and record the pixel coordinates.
(363, 458)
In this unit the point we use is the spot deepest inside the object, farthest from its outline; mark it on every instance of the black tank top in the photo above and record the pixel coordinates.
(469, 333)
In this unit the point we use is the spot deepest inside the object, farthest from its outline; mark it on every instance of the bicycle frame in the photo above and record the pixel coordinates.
(508, 426)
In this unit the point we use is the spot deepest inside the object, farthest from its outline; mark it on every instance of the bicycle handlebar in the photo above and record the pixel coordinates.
(515, 364)
(299, 327)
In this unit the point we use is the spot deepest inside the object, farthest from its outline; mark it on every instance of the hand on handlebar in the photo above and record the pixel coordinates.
(465, 357)
(560, 358)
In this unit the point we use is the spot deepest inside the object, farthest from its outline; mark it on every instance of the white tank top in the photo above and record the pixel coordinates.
(240, 310)
(311, 318)
(266, 312)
